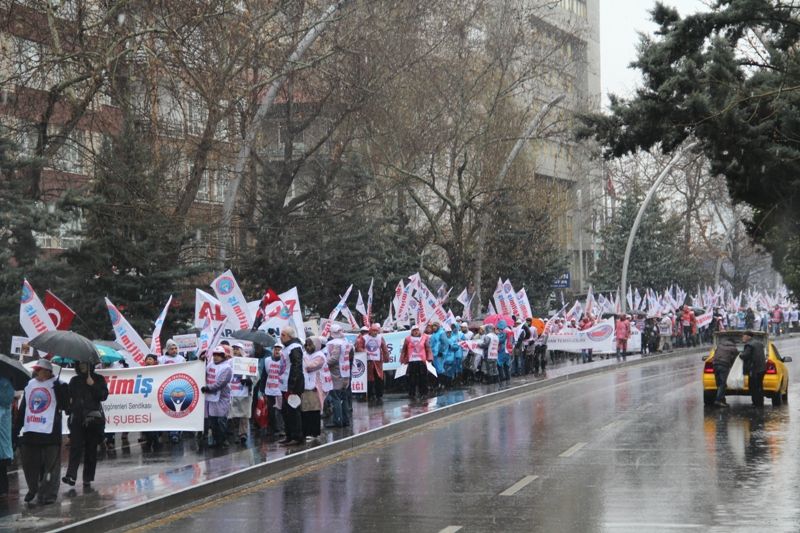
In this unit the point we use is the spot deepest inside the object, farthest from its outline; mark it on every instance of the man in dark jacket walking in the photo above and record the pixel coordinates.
(295, 388)
(724, 356)
(39, 418)
(755, 365)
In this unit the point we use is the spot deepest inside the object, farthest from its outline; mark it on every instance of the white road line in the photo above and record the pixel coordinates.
(519, 485)
(644, 407)
(651, 525)
(612, 425)
(573, 450)
(451, 529)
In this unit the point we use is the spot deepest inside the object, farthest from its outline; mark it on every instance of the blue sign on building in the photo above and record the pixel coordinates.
(562, 282)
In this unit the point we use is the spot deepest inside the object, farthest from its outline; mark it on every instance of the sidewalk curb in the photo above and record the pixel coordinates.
(137, 513)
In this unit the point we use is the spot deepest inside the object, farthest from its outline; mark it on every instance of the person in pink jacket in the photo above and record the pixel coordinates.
(622, 332)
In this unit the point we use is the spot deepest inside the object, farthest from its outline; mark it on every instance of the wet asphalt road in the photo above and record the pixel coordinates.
(628, 450)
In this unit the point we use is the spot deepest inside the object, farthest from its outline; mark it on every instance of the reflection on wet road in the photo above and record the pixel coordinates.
(628, 450)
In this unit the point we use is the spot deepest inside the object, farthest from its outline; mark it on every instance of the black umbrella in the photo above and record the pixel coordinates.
(18, 375)
(258, 336)
(66, 344)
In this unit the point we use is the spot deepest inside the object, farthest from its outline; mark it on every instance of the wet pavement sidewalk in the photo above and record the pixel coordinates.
(128, 475)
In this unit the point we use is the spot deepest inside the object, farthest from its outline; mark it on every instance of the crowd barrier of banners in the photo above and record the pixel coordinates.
(150, 398)
(599, 338)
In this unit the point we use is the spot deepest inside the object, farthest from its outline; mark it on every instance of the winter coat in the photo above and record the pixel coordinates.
(405, 350)
(85, 398)
(725, 354)
(622, 330)
(755, 362)
(221, 384)
(296, 380)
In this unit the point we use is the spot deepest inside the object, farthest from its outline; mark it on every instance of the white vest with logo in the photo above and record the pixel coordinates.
(494, 346)
(40, 408)
(372, 345)
(275, 377)
(340, 349)
(416, 349)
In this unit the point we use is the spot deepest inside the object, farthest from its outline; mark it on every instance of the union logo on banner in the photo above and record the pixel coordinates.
(358, 368)
(116, 318)
(601, 332)
(225, 285)
(27, 293)
(178, 395)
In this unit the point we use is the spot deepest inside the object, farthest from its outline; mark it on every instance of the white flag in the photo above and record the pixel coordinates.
(511, 298)
(33, 317)
(127, 336)
(360, 305)
(155, 342)
(368, 317)
(336, 310)
(232, 300)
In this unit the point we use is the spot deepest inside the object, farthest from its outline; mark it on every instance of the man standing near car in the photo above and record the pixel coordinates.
(755, 365)
(724, 356)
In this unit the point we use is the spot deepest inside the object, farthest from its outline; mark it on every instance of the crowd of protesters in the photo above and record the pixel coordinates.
(301, 385)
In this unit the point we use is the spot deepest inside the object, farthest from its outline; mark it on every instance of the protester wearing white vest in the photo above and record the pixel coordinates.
(339, 353)
(318, 383)
(275, 373)
(416, 353)
(218, 396)
(294, 388)
(241, 399)
(39, 419)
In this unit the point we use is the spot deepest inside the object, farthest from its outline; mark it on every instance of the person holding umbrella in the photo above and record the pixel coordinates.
(13, 376)
(39, 419)
(87, 391)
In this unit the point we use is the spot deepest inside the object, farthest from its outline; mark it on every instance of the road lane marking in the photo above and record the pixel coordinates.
(612, 425)
(451, 529)
(519, 485)
(572, 451)
(644, 407)
(651, 525)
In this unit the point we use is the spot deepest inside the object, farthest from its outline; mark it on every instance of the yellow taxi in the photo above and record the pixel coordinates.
(776, 378)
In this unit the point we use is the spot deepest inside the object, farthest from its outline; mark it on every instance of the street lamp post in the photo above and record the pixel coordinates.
(647, 199)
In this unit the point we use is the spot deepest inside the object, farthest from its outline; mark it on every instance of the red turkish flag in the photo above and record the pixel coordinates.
(270, 296)
(59, 312)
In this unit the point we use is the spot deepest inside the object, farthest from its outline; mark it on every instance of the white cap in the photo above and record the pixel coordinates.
(336, 328)
(237, 345)
(464, 325)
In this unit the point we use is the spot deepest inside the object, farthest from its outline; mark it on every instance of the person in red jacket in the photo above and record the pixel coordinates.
(416, 353)
(586, 322)
(622, 332)
(377, 354)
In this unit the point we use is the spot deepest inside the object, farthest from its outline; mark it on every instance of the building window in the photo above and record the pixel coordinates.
(575, 6)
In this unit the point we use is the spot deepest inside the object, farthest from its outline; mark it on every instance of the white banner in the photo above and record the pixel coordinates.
(206, 306)
(150, 398)
(127, 336)
(358, 373)
(244, 366)
(600, 338)
(33, 317)
(187, 344)
(287, 312)
(20, 348)
(704, 320)
(232, 300)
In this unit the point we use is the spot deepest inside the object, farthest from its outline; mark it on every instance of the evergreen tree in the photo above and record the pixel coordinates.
(342, 235)
(659, 257)
(725, 77)
(130, 247)
(21, 219)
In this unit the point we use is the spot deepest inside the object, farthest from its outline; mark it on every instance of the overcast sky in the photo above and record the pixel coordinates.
(619, 22)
